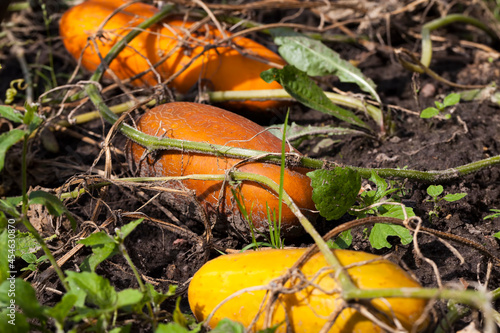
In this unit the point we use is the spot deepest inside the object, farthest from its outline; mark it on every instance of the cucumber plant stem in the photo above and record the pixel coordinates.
(142, 287)
(347, 101)
(441, 22)
(27, 223)
(427, 28)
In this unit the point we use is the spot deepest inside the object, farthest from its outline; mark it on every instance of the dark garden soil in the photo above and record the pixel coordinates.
(165, 256)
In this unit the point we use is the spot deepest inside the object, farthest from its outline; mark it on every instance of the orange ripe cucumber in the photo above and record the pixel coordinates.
(231, 66)
(209, 124)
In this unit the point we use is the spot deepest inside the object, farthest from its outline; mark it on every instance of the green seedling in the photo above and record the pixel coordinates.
(450, 100)
(494, 215)
(435, 192)
(497, 235)
(32, 261)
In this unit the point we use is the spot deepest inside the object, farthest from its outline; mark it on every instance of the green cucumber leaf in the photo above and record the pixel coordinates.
(380, 232)
(334, 191)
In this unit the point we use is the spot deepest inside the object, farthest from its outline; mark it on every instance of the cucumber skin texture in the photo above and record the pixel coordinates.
(308, 309)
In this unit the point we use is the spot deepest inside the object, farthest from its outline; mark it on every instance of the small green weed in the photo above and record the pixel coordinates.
(448, 101)
(435, 192)
(494, 215)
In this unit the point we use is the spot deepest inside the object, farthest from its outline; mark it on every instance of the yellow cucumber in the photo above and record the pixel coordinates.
(308, 309)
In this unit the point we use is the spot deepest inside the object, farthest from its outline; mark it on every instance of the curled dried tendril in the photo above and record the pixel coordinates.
(11, 93)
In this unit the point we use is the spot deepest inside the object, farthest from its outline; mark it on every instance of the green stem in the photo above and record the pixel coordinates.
(441, 22)
(277, 229)
(433, 176)
(496, 317)
(24, 219)
(478, 299)
(24, 177)
(142, 287)
(495, 294)
(46, 20)
(243, 95)
(76, 193)
(18, 6)
(117, 109)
